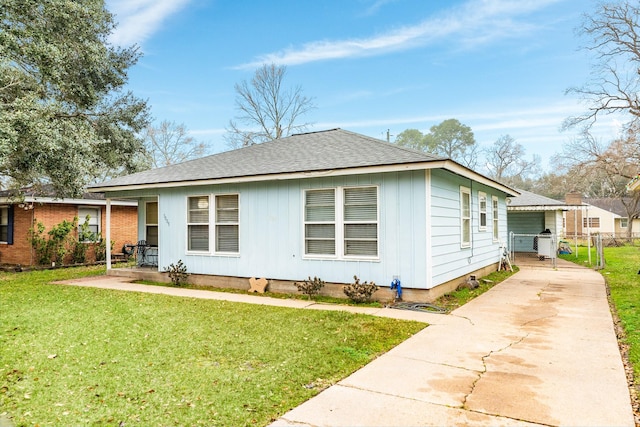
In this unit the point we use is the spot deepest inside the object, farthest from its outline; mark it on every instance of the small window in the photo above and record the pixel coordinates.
(320, 222)
(496, 223)
(198, 224)
(593, 222)
(151, 223)
(88, 224)
(465, 217)
(361, 221)
(482, 211)
(227, 226)
(624, 222)
(4, 224)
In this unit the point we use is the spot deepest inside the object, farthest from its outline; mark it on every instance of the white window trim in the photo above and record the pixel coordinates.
(81, 219)
(339, 224)
(481, 211)
(495, 218)
(6, 208)
(626, 220)
(213, 224)
(214, 232)
(305, 223)
(191, 251)
(146, 224)
(465, 191)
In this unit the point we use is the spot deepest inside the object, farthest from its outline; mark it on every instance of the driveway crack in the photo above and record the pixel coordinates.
(484, 367)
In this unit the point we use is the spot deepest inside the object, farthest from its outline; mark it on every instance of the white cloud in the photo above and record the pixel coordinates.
(140, 19)
(476, 21)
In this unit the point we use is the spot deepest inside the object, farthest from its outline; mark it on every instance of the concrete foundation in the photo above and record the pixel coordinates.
(384, 294)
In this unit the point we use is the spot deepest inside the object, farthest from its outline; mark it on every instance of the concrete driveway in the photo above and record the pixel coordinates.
(537, 349)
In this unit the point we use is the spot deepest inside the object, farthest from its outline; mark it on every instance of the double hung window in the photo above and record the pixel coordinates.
(224, 225)
(465, 217)
(482, 211)
(198, 223)
(227, 225)
(496, 231)
(341, 222)
(4, 224)
(151, 223)
(90, 217)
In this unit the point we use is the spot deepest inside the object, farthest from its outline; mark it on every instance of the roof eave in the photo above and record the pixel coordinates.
(433, 164)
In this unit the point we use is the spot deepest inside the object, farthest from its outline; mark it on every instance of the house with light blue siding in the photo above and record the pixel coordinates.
(331, 204)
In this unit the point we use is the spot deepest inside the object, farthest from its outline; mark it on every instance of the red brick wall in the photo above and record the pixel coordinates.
(124, 228)
(124, 225)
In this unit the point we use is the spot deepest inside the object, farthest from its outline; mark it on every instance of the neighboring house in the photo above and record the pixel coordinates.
(530, 214)
(17, 217)
(331, 204)
(598, 215)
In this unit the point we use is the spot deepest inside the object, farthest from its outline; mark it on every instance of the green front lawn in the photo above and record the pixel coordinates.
(82, 356)
(621, 274)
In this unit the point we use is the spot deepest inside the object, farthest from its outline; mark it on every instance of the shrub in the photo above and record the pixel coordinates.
(310, 287)
(360, 292)
(177, 273)
(58, 243)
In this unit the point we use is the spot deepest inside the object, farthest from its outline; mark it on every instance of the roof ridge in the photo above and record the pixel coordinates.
(388, 143)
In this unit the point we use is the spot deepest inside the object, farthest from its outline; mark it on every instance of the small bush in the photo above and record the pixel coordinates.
(360, 292)
(177, 273)
(310, 287)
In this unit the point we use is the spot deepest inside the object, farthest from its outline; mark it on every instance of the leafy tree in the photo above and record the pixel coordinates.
(506, 161)
(267, 110)
(63, 114)
(614, 34)
(411, 138)
(453, 140)
(168, 144)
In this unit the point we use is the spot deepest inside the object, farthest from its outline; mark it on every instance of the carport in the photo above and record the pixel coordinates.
(532, 219)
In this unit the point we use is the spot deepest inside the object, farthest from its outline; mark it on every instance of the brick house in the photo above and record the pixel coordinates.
(17, 217)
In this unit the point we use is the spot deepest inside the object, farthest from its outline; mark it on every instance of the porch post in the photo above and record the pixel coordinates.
(108, 235)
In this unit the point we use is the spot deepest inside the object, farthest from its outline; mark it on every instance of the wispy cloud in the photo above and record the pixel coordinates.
(474, 22)
(140, 19)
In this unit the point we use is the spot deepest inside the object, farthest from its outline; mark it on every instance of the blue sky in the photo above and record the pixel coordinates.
(500, 67)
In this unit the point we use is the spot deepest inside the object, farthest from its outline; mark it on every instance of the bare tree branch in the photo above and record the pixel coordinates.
(266, 110)
(614, 34)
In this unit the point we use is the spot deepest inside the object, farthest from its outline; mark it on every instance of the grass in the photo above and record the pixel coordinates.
(83, 356)
(621, 275)
(460, 297)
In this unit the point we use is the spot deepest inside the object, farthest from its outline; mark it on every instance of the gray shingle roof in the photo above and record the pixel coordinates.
(526, 198)
(307, 152)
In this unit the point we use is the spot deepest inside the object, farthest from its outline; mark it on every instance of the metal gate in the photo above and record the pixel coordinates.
(544, 246)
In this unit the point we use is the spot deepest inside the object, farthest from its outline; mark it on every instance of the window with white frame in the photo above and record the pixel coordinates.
(624, 222)
(151, 223)
(465, 217)
(198, 224)
(341, 222)
(227, 223)
(591, 222)
(88, 223)
(482, 211)
(320, 222)
(4, 224)
(494, 212)
(361, 221)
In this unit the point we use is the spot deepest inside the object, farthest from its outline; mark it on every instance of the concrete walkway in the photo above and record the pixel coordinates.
(537, 349)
